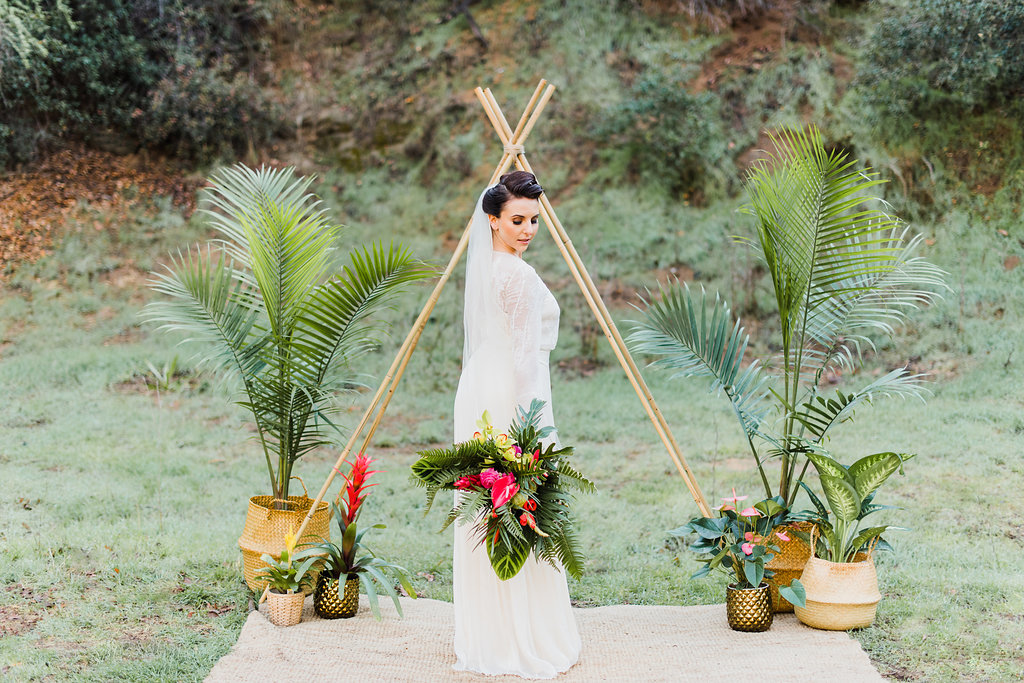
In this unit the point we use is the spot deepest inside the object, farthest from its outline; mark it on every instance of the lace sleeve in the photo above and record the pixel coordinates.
(520, 300)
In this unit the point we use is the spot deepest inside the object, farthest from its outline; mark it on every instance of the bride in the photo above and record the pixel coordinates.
(522, 626)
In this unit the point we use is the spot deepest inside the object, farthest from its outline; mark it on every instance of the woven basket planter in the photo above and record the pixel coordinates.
(749, 609)
(265, 529)
(840, 595)
(285, 609)
(788, 563)
(328, 605)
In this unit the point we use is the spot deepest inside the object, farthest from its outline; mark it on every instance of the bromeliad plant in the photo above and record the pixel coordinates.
(841, 271)
(287, 574)
(516, 493)
(740, 543)
(850, 492)
(274, 306)
(352, 558)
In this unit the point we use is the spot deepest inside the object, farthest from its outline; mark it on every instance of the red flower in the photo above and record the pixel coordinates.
(354, 492)
(526, 519)
(469, 482)
(536, 455)
(530, 505)
(503, 489)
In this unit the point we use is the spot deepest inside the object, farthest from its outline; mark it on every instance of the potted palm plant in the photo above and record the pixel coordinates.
(346, 566)
(840, 579)
(842, 270)
(278, 305)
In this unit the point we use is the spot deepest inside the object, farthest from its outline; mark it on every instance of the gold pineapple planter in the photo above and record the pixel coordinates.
(749, 609)
(326, 602)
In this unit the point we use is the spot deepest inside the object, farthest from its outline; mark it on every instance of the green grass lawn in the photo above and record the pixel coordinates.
(121, 504)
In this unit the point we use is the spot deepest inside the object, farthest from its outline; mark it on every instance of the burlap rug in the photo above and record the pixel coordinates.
(620, 643)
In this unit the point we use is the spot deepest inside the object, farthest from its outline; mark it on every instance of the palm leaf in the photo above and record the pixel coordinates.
(821, 414)
(695, 344)
(331, 323)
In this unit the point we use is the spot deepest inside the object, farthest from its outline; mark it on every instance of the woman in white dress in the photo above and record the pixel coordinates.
(523, 626)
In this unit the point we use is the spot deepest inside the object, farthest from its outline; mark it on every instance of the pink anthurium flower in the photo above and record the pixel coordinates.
(504, 488)
(747, 548)
(781, 535)
(751, 512)
(734, 498)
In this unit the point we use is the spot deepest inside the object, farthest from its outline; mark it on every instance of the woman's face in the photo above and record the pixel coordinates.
(517, 225)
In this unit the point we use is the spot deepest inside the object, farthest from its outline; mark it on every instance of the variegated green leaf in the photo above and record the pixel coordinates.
(842, 497)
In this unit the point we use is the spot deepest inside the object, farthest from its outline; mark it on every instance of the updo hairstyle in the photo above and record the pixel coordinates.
(515, 184)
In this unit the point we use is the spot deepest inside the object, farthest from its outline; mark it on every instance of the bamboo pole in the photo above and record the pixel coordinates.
(596, 303)
(389, 384)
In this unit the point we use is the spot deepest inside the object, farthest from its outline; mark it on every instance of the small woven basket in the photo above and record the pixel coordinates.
(265, 529)
(285, 609)
(788, 563)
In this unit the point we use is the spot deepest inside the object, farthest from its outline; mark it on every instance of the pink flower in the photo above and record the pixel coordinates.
(723, 507)
(749, 536)
(734, 498)
(469, 482)
(489, 476)
(781, 535)
(750, 512)
(536, 455)
(747, 548)
(504, 488)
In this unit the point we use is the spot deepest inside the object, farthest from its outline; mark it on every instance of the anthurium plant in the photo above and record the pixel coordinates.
(739, 542)
(842, 270)
(352, 558)
(850, 492)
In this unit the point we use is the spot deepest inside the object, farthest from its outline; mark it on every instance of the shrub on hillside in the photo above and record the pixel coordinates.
(159, 72)
(670, 135)
(932, 58)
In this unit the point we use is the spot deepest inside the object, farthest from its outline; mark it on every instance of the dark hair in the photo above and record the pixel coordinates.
(515, 184)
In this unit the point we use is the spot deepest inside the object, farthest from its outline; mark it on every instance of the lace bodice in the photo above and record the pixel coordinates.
(532, 317)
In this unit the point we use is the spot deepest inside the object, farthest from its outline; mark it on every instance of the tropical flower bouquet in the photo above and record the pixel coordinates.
(514, 491)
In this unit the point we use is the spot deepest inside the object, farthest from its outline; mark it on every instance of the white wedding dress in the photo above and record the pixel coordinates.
(523, 626)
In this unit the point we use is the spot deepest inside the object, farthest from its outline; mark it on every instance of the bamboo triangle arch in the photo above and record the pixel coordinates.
(514, 153)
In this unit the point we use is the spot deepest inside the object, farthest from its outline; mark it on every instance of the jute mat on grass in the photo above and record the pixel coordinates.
(620, 643)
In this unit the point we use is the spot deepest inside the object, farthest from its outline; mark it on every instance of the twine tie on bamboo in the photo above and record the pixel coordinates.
(514, 149)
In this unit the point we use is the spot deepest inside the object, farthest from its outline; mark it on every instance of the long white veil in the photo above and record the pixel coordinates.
(487, 380)
(482, 316)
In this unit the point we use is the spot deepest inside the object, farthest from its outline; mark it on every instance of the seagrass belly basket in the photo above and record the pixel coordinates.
(265, 529)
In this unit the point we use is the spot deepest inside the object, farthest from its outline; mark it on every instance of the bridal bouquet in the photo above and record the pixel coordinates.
(515, 492)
